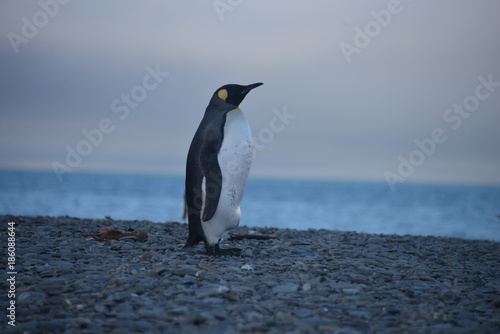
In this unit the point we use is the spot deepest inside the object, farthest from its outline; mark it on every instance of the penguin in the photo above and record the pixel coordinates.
(217, 167)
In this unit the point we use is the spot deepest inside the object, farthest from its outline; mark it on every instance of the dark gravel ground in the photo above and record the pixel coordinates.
(313, 281)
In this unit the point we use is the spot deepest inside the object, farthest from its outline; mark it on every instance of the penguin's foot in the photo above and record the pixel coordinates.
(217, 251)
(189, 246)
(228, 251)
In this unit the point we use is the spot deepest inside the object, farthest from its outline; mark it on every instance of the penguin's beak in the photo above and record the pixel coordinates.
(248, 88)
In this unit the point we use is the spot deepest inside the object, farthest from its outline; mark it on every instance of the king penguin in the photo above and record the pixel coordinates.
(217, 168)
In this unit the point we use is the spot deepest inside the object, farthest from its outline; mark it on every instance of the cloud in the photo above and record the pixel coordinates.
(353, 119)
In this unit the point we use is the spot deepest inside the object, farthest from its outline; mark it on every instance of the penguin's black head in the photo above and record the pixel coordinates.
(234, 94)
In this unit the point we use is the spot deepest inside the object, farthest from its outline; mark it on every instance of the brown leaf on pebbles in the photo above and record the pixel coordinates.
(111, 234)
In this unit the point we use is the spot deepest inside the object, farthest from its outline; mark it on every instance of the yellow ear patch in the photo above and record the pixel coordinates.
(222, 94)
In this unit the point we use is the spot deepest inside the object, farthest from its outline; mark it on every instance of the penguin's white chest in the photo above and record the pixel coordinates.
(235, 154)
(234, 158)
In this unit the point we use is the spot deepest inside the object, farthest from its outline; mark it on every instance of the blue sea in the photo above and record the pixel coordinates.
(469, 212)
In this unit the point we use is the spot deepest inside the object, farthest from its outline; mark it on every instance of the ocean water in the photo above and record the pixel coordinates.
(457, 211)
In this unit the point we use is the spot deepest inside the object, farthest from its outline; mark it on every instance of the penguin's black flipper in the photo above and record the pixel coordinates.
(213, 175)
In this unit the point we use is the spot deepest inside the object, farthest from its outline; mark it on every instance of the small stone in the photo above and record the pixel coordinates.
(46, 273)
(220, 314)
(62, 264)
(247, 253)
(359, 279)
(306, 324)
(123, 310)
(306, 287)
(101, 308)
(440, 328)
(185, 270)
(208, 268)
(286, 288)
(350, 291)
(211, 290)
(376, 240)
(31, 296)
(303, 313)
(179, 310)
(149, 256)
(317, 271)
(392, 311)
(52, 283)
(52, 326)
(448, 296)
(496, 303)
(147, 282)
(360, 314)
(282, 316)
(230, 297)
(347, 330)
(116, 246)
(58, 301)
(152, 311)
(118, 297)
(253, 317)
(204, 317)
(245, 290)
(213, 300)
(160, 271)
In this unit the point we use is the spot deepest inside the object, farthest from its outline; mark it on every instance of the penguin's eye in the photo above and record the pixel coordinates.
(222, 94)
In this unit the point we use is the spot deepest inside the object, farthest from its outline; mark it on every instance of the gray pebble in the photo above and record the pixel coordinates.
(179, 310)
(285, 288)
(52, 326)
(350, 291)
(152, 311)
(211, 290)
(101, 308)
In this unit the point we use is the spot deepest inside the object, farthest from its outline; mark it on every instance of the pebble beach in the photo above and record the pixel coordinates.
(307, 281)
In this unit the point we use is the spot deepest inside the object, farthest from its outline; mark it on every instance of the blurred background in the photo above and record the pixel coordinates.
(353, 94)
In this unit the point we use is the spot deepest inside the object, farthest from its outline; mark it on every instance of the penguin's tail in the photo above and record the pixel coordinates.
(184, 209)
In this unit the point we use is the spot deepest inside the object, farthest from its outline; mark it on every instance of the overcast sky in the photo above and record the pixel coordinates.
(349, 86)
